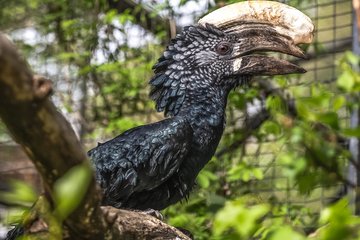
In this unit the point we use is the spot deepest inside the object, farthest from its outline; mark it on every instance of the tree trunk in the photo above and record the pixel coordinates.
(49, 141)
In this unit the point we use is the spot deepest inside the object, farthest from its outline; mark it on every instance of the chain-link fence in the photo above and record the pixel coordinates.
(334, 35)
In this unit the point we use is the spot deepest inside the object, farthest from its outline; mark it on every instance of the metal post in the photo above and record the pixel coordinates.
(354, 144)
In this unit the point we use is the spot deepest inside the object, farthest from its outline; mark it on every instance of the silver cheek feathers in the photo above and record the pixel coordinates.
(237, 64)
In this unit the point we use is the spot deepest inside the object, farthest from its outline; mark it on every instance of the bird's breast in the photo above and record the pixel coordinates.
(204, 145)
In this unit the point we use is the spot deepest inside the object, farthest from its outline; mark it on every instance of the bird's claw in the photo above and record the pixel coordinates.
(154, 213)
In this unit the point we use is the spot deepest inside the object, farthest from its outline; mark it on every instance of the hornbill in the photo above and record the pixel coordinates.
(155, 165)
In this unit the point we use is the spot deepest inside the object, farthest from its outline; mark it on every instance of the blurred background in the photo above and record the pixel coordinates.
(288, 162)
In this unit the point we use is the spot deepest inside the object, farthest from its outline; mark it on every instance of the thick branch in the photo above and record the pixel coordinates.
(138, 225)
(52, 145)
(46, 136)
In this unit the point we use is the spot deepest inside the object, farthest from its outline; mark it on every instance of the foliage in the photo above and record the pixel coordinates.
(309, 148)
(20, 194)
(70, 189)
(68, 193)
(107, 71)
(242, 219)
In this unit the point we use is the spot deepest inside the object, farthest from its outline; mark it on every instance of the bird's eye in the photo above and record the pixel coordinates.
(223, 48)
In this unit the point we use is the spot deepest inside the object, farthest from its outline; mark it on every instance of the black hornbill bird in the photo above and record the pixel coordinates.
(155, 165)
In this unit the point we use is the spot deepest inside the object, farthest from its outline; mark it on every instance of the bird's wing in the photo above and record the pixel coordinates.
(141, 158)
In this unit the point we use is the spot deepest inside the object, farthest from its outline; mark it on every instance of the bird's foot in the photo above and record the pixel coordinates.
(154, 213)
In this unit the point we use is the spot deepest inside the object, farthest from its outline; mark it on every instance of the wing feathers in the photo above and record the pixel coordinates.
(141, 159)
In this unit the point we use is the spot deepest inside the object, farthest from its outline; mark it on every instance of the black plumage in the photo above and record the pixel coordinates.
(131, 166)
(155, 165)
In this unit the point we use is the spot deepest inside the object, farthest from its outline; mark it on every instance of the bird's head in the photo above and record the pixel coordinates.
(222, 51)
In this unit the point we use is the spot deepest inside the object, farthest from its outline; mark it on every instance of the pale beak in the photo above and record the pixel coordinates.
(263, 26)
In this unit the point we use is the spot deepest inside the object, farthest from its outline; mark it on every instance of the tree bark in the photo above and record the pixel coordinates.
(49, 141)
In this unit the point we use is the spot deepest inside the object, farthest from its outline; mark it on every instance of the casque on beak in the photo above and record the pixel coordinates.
(261, 26)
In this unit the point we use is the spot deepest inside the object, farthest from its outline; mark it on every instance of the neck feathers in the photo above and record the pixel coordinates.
(176, 67)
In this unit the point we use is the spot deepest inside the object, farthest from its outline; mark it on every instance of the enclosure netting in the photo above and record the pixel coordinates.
(333, 36)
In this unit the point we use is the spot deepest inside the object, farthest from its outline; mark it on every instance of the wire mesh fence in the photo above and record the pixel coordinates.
(334, 35)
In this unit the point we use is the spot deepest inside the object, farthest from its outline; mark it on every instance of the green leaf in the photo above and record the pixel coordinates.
(329, 118)
(276, 104)
(244, 172)
(346, 81)
(65, 24)
(209, 175)
(124, 17)
(351, 132)
(286, 233)
(20, 194)
(182, 2)
(68, 56)
(258, 173)
(205, 177)
(108, 67)
(14, 215)
(239, 217)
(85, 70)
(304, 111)
(270, 127)
(70, 189)
(338, 102)
(251, 93)
(307, 182)
(110, 15)
(203, 181)
(238, 100)
(214, 199)
(341, 224)
(122, 124)
(352, 58)
(297, 135)
(179, 220)
(236, 172)
(282, 81)
(246, 175)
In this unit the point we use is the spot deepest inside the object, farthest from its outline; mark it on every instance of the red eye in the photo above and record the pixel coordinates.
(223, 48)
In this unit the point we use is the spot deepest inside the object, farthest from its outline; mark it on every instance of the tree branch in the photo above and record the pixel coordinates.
(49, 141)
(46, 136)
